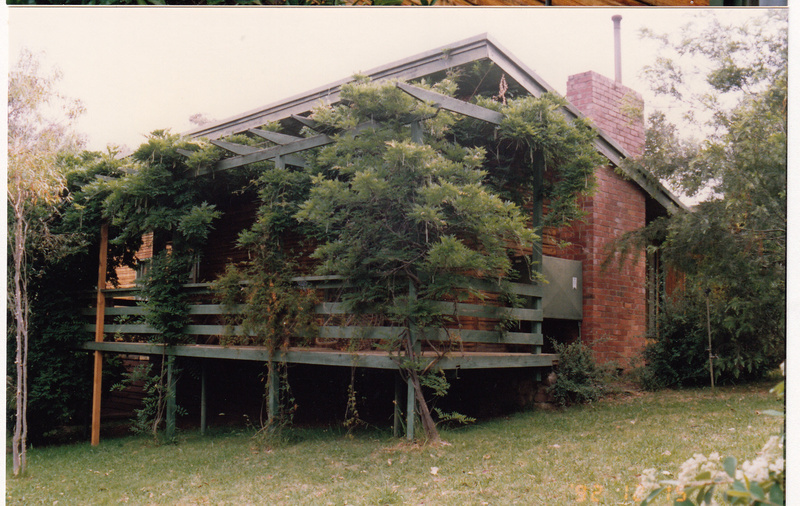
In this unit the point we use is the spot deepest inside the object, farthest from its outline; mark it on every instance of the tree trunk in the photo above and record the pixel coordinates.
(428, 425)
(19, 440)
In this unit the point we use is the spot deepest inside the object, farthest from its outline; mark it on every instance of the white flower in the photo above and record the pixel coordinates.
(690, 469)
(757, 470)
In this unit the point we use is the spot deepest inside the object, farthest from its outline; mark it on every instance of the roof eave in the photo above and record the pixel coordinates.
(426, 63)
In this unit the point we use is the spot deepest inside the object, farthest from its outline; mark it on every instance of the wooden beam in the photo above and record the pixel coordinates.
(308, 122)
(411, 409)
(351, 332)
(276, 137)
(294, 147)
(239, 149)
(97, 386)
(297, 161)
(452, 104)
(184, 152)
(272, 152)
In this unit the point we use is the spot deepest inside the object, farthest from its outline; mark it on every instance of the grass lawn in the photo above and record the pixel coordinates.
(589, 454)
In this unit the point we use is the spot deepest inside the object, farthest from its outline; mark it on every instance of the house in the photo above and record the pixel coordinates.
(607, 308)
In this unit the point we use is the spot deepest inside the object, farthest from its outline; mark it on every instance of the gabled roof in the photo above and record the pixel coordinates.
(474, 49)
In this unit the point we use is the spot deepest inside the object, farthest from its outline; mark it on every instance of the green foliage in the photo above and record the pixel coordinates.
(166, 304)
(387, 206)
(150, 416)
(534, 127)
(537, 125)
(60, 377)
(679, 357)
(273, 311)
(578, 377)
(159, 197)
(733, 243)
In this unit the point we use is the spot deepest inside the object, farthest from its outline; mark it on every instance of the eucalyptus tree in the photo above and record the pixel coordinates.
(39, 130)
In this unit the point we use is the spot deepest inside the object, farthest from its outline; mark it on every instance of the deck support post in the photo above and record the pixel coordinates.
(415, 345)
(172, 406)
(398, 395)
(537, 223)
(411, 409)
(203, 405)
(97, 386)
(273, 393)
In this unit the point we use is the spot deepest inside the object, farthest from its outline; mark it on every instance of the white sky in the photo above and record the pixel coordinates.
(141, 69)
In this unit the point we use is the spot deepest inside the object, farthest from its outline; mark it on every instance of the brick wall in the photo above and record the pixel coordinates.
(614, 300)
(127, 276)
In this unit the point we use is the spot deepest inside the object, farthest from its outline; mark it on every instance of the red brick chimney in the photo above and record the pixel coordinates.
(614, 108)
(614, 301)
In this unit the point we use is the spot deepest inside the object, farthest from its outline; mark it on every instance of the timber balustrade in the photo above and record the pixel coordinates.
(475, 338)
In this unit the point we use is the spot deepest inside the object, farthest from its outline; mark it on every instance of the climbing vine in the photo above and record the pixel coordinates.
(156, 197)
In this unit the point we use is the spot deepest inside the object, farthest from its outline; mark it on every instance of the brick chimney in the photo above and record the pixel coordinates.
(614, 108)
(614, 321)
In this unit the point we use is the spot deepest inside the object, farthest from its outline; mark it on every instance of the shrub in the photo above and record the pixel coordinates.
(578, 378)
(678, 357)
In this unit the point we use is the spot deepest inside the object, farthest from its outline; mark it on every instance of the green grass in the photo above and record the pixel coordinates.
(590, 454)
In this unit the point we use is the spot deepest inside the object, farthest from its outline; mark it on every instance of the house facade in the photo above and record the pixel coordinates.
(607, 307)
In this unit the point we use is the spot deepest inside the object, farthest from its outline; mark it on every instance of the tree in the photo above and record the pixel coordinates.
(407, 215)
(732, 246)
(38, 131)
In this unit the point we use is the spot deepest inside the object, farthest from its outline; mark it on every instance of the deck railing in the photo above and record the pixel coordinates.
(476, 325)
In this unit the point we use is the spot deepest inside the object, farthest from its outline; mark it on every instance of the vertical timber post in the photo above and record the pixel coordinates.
(274, 386)
(416, 346)
(172, 406)
(97, 386)
(411, 401)
(203, 405)
(398, 394)
(411, 409)
(537, 223)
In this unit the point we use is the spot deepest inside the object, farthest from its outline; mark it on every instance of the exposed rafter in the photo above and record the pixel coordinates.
(276, 137)
(474, 49)
(285, 149)
(452, 104)
(239, 149)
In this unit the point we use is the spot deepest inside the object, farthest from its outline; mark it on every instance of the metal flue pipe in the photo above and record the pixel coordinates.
(617, 49)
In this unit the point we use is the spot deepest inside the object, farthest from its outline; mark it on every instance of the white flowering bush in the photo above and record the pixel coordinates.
(761, 481)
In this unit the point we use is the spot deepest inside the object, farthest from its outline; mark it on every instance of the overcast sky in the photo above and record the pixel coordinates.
(141, 69)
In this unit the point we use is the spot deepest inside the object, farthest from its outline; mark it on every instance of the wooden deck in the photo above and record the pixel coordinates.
(373, 359)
